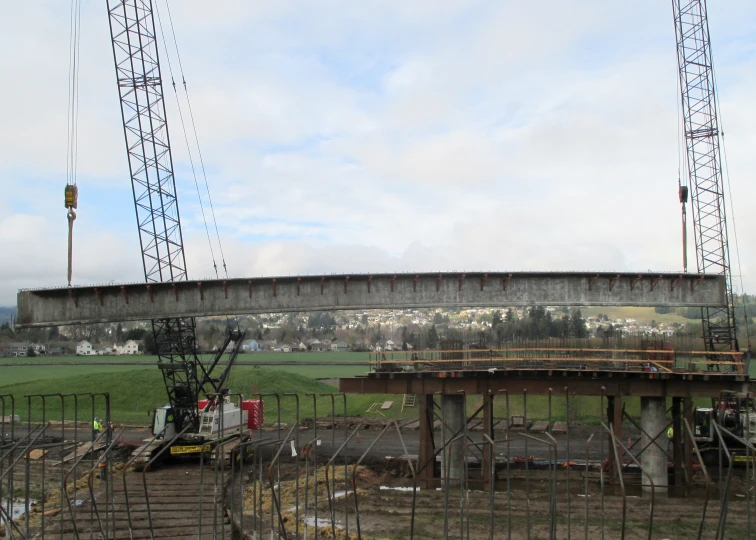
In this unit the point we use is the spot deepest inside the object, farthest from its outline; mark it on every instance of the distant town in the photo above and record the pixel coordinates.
(341, 331)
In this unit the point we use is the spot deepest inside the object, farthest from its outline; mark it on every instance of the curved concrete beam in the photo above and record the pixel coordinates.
(139, 301)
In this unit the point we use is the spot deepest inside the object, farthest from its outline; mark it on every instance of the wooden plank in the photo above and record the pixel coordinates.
(386, 405)
(559, 427)
(86, 447)
(37, 453)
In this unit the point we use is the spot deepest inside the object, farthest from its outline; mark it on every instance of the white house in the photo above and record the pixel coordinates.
(84, 348)
(130, 347)
(390, 345)
(251, 345)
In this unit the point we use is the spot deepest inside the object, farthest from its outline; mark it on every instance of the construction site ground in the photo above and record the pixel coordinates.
(384, 492)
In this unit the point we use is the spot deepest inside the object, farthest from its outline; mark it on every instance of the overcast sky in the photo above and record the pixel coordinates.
(371, 136)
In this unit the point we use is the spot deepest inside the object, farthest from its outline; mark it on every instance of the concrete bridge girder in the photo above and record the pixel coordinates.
(140, 301)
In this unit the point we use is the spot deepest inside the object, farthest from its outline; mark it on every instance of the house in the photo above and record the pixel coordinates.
(340, 346)
(321, 346)
(84, 348)
(105, 350)
(251, 345)
(285, 348)
(130, 347)
(390, 345)
(267, 345)
(301, 347)
(17, 350)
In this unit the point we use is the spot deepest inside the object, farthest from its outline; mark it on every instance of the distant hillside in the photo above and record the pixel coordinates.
(6, 312)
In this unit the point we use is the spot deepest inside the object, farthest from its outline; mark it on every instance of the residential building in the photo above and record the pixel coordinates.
(84, 348)
(340, 346)
(321, 346)
(251, 345)
(130, 347)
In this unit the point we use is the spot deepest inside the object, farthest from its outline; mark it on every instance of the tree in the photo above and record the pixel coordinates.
(149, 344)
(438, 318)
(577, 325)
(30, 352)
(364, 319)
(53, 333)
(119, 333)
(496, 320)
(404, 346)
(136, 334)
(432, 337)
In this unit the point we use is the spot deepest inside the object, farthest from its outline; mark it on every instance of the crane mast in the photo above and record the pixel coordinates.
(704, 165)
(145, 128)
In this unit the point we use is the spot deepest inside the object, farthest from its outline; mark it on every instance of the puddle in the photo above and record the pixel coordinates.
(322, 522)
(18, 508)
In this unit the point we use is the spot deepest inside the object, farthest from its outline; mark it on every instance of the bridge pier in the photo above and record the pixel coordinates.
(454, 418)
(654, 458)
(426, 461)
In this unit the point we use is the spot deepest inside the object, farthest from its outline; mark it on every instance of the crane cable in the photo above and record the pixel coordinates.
(196, 142)
(726, 180)
(72, 130)
(186, 140)
(196, 138)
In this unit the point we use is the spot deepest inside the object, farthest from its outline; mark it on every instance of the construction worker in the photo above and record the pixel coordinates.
(96, 428)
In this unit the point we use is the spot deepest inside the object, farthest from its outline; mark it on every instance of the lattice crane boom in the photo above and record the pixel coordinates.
(704, 164)
(145, 127)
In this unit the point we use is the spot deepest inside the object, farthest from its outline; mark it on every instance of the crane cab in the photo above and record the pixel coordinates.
(163, 424)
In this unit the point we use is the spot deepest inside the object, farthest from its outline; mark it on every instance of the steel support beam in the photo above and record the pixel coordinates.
(110, 303)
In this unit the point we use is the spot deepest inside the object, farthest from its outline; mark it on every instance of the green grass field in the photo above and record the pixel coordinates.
(32, 370)
(136, 390)
(134, 393)
(640, 314)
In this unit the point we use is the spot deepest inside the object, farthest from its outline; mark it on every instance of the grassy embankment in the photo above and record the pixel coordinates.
(135, 390)
(134, 393)
(32, 370)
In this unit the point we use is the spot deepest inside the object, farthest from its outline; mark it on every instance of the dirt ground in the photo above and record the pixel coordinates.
(386, 512)
(385, 502)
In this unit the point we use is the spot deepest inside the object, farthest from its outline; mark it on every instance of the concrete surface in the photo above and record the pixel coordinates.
(654, 459)
(139, 301)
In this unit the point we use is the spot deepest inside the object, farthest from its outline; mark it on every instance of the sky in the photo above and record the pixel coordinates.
(377, 136)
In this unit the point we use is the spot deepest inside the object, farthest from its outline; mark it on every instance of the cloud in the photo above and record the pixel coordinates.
(343, 137)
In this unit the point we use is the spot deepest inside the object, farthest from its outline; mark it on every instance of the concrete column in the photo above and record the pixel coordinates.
(678, 457)
(488, 403)
(654, 458)
(453, 413)
(614, 413)
(425, 457)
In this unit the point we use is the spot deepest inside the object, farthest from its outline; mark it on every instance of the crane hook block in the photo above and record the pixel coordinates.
(682, 192)
(72, 196)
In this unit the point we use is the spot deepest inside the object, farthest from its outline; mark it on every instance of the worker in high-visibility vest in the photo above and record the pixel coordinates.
(670, 433)
(96, 428)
